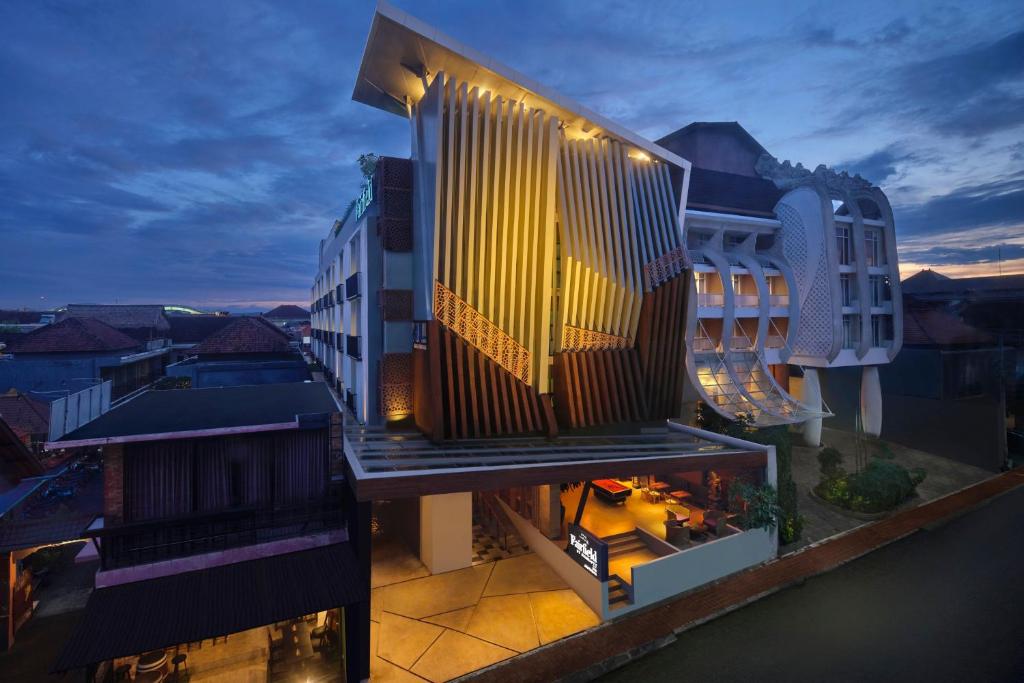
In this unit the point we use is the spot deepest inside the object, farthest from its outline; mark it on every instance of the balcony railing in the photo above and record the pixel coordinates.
(352, 346)
(350, 400)
(157, 540)
(747, 300)
(339, 292)
(779, 300)
(704, 344)
(774, 341)
(707, 299)
(739, 344)
(352, 286)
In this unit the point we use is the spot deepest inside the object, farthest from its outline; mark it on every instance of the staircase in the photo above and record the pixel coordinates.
(621, 544)
(620, 593)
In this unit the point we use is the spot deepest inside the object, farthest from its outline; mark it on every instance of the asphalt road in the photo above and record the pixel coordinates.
(941, 605)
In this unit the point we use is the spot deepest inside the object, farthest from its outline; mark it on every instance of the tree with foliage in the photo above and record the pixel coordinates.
(368, 164)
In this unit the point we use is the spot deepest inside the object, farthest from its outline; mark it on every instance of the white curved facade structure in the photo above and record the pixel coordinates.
(791, 270)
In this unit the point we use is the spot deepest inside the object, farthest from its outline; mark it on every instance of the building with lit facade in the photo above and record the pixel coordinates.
(793, 270)
(519, 316)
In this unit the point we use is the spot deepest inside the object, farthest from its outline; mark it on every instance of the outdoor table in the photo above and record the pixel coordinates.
(151, 661)
(660, 486)
(681, 513)
(680, 495)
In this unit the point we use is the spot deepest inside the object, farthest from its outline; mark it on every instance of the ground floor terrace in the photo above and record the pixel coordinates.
(475, 564)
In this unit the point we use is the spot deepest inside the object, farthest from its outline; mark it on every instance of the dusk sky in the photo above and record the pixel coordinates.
(196, 152)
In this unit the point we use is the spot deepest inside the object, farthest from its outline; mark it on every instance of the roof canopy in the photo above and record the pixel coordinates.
(193, 413)
(387, 464)
(137, 617)
(401, 48)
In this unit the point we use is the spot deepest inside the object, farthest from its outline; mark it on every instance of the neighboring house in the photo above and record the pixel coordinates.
(287, 315)
(504, 313)
(38, 509)
(188, 330)
(226, 538)
(249, 350)
(145, 323)
(77, 353)
(945, 392)
(27, 416)
(995, 305)
(792, 270)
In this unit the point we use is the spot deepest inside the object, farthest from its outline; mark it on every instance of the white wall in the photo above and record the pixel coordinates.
(446, 531)
(590, 590)
(674, 574)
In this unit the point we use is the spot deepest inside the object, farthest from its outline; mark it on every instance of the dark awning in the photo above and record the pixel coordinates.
(147, 615)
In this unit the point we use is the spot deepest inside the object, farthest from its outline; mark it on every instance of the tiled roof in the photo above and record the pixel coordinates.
(72, 335)
(187, 410)
(25, 415)
(287, 312)
(929, 281)
(133, 317)
(192, 329)
(931, 325)
(731, 193)
(245, 335)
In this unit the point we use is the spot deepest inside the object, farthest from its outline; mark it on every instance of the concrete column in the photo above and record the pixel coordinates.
(549, 510)
(812, 399)
(446, 532)
(871, 400)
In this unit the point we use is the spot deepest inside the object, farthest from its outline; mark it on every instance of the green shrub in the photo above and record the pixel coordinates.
(830, 460)
(881, 486)
(758, 506)
(790, 522)
(883, 451)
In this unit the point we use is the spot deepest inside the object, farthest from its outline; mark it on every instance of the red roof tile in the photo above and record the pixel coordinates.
(931, 325)
(245, 335)
(72, 335)
(25, 415)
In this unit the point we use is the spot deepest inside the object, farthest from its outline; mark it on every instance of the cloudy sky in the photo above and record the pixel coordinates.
(196, 152)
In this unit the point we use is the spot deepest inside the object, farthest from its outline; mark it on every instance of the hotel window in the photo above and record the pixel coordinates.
(880, 291)
(851, 331)
(701, 280)
(843, 243)
(846, 285)
(881, 330)
(873, 238)
(736, 284)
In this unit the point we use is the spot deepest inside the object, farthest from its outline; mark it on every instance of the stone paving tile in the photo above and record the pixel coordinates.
(393, 563)
(505, 620)
(401, 640)
(455, 654)
(560, 613)
(456, 619)
(438, 593)
(523, 574)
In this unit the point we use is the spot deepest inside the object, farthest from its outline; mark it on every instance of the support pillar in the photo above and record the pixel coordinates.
(812, 399)
(871, 400)
(446, 532)
(550, 510)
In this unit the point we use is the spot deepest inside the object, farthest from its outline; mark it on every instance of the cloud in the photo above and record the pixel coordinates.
(998, 203)
(880, 165)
